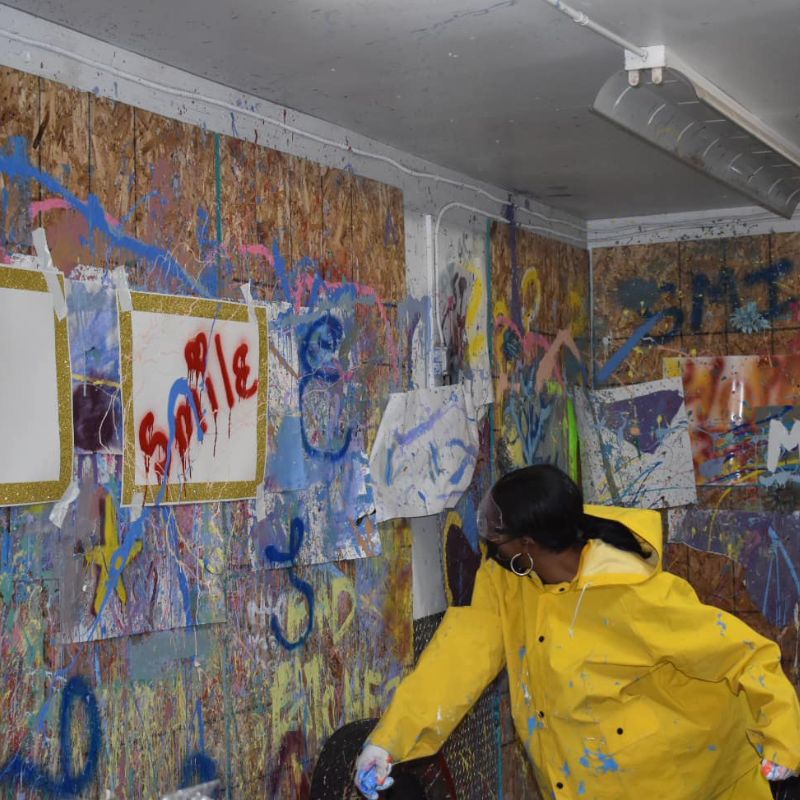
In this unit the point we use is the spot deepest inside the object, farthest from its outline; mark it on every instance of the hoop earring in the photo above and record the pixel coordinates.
(521, 573)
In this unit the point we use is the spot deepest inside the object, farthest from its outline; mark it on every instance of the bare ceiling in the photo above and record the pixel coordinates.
(499, 91)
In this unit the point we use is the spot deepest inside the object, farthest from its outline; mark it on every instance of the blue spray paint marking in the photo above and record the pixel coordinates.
(198, 768)
(467, 461)
(614, 363)
(388, 476)
(434, 458)
(67, 783)
(17, 165)
(404, 439)
(318, 354)
(296, 535)
(179, 389)
(183, 584)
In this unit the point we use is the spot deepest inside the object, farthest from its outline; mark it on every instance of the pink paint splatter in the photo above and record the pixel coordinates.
(258, 250)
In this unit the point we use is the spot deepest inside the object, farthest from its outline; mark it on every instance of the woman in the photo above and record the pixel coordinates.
(622, 683)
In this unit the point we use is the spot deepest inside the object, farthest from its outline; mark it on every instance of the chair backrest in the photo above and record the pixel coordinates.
(424, 779)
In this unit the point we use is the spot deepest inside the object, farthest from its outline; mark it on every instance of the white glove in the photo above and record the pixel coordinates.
(775, 772)
(372, 771)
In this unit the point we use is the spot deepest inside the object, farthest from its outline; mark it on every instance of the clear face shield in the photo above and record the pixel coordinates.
(492, 530)
(490, 520)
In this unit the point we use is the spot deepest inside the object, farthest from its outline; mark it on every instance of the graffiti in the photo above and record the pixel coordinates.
(181, 414)
(642, 296)
(323, 425)
(67, 783)
(102, 556)
(152, 441)
(297, 532)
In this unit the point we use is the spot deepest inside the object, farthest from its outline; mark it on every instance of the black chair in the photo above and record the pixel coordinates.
(332, 779)
(786, 790)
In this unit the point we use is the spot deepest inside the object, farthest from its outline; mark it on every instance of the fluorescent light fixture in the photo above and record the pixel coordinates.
(685, 115)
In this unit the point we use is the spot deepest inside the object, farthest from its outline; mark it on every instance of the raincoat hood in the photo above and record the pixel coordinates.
(603, 564)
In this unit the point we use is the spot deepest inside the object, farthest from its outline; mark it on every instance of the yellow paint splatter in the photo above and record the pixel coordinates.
(106, 554)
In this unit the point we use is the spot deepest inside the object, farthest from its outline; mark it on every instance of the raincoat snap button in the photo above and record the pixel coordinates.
(541, 713)
(563, 588)
(559, 785)
(541, 638)
(620, 731)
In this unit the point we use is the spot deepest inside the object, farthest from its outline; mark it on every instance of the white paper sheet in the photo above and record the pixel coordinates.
(635, 448)
(424, 453)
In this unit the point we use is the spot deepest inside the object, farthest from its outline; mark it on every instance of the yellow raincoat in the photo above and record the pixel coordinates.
(622, 683)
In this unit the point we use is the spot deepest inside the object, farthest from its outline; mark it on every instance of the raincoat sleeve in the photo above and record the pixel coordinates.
(712, 645)
(463, 657)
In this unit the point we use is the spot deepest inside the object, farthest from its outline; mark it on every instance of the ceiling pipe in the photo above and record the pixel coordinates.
(581, 19)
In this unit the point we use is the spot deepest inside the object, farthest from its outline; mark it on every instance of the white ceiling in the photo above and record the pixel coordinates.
(499, 91)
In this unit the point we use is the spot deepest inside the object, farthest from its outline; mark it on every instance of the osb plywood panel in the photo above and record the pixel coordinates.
(706, 287)
(749, 344)
(786, 341)
(175, 193)
(501, 273)
(645, 362)
(573, 271)
(112, 172)
(305, 209)
(19, 123)
(747, 258)
(786, 287)
(632, 283)
(379, 238)
(64, 154)
(537, 283)
(709, 344)
(272, 216)
(238, 213)
(336, 245)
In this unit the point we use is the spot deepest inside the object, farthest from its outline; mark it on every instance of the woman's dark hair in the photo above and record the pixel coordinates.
(546, 505)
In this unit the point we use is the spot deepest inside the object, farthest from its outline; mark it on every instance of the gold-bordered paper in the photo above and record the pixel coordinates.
(185, 492)
(43, 491)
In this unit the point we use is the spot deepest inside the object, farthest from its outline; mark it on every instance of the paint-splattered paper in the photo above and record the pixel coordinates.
(767, 545)
(316, 465)
(743, 418)
(94, 349)
(194, 376)
(635, 448)
(462, 293)
(35, 407)
(424, 453)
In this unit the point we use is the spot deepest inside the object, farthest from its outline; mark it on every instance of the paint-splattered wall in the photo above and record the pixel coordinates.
(200, 673)
(725, 299)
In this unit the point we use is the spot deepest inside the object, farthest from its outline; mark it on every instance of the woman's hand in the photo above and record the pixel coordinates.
(775, 772)
(372, 771)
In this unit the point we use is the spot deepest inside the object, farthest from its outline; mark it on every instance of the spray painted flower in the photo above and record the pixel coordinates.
(748, 319)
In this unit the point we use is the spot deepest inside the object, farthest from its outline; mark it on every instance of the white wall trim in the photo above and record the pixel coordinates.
(712, 224)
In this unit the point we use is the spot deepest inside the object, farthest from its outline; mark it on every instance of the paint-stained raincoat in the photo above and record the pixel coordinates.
(623, 685)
